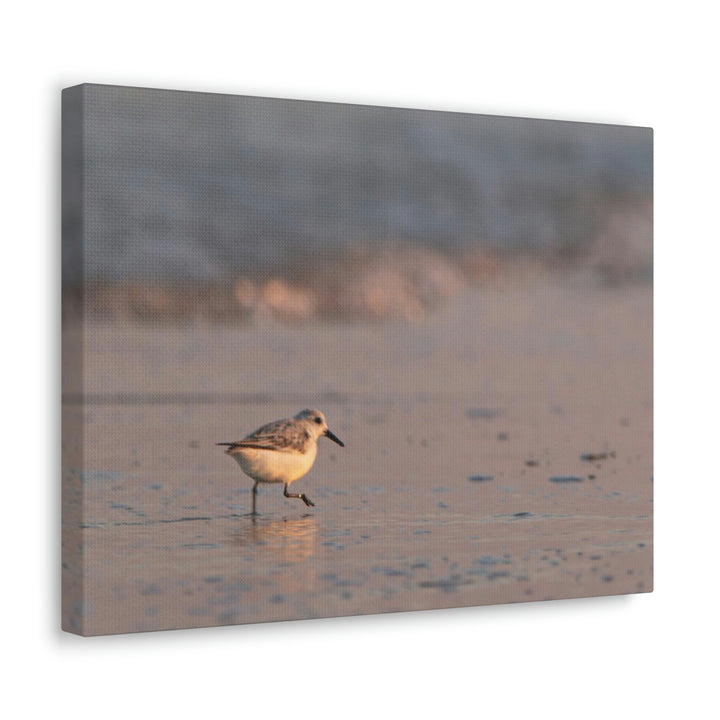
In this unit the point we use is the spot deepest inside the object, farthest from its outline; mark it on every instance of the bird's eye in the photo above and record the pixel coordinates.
(318, 420)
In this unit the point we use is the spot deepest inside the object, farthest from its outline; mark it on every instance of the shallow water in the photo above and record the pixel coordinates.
(501, 453)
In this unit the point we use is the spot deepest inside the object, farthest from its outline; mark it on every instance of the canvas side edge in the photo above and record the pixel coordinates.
(74, 605)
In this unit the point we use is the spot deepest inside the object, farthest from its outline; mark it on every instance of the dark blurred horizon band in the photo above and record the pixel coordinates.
(181, 186)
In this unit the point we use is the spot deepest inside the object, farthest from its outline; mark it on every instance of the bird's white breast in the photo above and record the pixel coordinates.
(273, 466)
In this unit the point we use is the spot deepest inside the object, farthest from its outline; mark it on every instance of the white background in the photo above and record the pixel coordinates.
(636, 63)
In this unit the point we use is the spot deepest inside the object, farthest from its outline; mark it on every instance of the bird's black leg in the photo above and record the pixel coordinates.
(302, 497)
(254, 495)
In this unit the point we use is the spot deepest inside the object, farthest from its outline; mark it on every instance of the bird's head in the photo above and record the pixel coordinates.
(317, 425)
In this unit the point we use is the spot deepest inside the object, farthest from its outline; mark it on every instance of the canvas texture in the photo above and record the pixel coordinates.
(325, 360)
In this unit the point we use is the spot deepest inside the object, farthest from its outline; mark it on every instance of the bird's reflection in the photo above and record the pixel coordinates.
(291, 539)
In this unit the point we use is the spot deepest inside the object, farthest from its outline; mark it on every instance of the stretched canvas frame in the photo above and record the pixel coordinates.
(466, 298)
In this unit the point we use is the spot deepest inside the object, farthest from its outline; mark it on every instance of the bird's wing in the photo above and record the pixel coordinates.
(282, 436)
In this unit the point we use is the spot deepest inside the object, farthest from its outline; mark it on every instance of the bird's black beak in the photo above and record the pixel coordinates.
(334, 438)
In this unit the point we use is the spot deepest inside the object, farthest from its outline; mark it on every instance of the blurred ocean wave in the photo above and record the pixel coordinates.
(398, 283)
(210, 189)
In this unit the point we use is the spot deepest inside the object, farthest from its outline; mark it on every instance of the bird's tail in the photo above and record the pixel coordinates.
(224, 443)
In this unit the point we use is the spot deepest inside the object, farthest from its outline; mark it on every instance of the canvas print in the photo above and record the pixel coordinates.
(327, 359)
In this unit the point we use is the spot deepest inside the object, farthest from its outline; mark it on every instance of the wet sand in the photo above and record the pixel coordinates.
(500, 451)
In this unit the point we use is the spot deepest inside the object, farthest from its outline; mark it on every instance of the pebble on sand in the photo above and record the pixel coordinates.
(481, 478)
(594, 457)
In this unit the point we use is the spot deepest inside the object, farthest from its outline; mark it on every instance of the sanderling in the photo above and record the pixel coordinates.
(281, 451)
